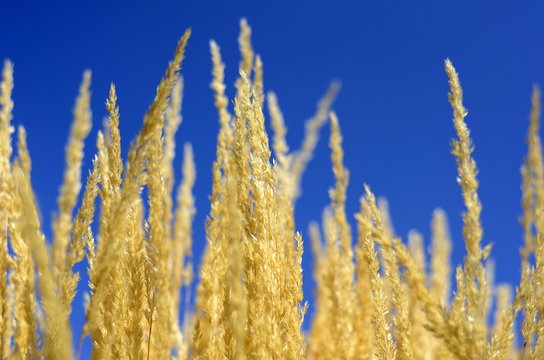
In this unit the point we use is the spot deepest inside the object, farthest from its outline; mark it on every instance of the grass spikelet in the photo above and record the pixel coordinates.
(364, 303)
(440, 257)
(319, 344)
(302, 157)
(532, 203)
(81, 235)
(345, 305)
(221, 103)
(383, 342)
(338, 270)
(246, 49)
(209, 339)
(23, 156)
(533, 178)
(6, 87)
(236, 304)
(136, 264)
(383, 207)
(114, 139)
(22, 278)
(57, 334)
(421, 340)
(263, 281)
(182, 273)
(159, 298)
(472, 231)
(62, 225)
(111, 162)
(444, 326)
(280, 131)
(173, 121)
(502, 341)
(399, 297)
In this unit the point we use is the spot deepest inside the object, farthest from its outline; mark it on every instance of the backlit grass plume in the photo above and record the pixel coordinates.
(376, 297)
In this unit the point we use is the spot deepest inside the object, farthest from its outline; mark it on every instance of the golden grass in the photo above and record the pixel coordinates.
(377, 297)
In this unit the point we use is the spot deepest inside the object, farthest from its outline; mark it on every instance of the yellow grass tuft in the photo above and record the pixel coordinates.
(376, 296)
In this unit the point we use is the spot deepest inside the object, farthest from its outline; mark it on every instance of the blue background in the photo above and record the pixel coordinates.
(393, 106)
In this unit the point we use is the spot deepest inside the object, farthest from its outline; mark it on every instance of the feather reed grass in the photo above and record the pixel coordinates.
(377, 296)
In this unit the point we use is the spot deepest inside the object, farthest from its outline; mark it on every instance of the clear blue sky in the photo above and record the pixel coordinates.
(393, 106)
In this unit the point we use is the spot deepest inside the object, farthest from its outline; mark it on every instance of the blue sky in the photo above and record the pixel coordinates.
(393, 106)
